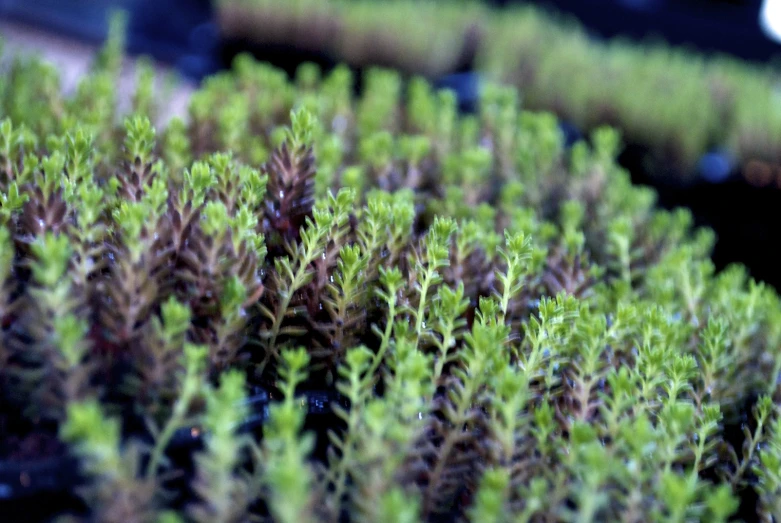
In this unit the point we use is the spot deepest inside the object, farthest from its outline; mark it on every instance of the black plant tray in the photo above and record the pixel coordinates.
(320, 419)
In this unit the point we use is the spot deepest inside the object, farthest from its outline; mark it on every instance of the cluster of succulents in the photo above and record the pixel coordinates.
(514, 332)
(678, 103)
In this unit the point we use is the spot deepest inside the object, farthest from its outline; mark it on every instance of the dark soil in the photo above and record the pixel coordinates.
(37, 477)
(22, 441)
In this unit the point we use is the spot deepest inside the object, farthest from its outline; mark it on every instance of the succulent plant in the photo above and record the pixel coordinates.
(514, 331)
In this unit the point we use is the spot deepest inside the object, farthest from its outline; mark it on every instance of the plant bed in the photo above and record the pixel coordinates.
(497, 326)
(361, 34)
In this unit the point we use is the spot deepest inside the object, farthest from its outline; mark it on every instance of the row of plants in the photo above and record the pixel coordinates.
(679, 103)
(362, 34)
(514, 332)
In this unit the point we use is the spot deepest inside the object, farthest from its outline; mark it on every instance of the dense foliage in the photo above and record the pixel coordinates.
(676, 102)
(516, 332)
(362, 33)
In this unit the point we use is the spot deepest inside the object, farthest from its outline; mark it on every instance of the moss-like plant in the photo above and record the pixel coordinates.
(509, 328)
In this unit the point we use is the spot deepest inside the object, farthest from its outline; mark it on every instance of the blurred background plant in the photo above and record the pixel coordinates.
(408, 35)
(679, 103)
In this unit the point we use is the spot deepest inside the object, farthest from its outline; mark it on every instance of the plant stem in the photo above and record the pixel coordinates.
(174, 422)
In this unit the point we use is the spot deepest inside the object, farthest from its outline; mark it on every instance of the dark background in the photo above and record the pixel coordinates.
(729, 26)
